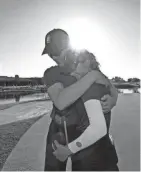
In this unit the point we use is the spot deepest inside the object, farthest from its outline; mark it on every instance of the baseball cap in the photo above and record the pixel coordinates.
(55, 35)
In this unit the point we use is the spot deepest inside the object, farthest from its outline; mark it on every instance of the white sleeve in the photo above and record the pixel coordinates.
(95, 131)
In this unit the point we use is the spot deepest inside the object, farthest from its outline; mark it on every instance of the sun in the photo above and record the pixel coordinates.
(92, 35)
(78, 31)
(84, 34)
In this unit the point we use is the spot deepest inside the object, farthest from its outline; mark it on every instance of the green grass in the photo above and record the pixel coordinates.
(10, 134)
(125, 128)
(6, 106)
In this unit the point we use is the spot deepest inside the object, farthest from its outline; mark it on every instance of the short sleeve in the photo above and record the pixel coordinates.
(96, 91)
(56, 74)
(51, 76)
(67, 80)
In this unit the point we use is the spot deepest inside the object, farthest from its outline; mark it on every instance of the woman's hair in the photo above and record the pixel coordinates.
(80, 56)
(86, 55)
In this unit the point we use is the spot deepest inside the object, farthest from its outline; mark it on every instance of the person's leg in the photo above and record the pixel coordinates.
(113, 167)
(85, 164)
(89, 164)
(51, 163)
(81, 166)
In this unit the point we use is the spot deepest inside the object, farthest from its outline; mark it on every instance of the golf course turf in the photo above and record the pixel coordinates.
(10, 134)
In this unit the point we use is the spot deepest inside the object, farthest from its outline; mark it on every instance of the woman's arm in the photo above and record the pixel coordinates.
(114, 94)
(95, 131)
(64, 97)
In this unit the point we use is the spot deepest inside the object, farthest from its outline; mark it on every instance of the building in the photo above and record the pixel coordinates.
(15, 81)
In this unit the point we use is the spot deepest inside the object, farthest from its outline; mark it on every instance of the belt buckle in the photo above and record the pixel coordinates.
(58, 119)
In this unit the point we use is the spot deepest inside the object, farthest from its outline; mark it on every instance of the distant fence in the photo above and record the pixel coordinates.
(129, 91)
(13, 91)
(16, 91)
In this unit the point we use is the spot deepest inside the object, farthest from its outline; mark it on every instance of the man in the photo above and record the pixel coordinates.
(61, 97)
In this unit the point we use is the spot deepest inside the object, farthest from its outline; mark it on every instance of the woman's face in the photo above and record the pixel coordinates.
(83, 66)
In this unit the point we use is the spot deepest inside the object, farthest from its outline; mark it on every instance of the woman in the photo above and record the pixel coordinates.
(96, 152)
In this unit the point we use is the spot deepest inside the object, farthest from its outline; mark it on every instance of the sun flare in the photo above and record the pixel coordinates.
(84, 33)
(91, 35)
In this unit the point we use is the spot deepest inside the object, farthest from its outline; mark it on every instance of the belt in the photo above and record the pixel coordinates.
(59, 120)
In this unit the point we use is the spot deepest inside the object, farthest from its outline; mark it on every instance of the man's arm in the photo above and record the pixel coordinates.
(64, 97)
(95, 131)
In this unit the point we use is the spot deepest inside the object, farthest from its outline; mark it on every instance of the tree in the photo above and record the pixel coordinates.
(118, 79)
(133, 80)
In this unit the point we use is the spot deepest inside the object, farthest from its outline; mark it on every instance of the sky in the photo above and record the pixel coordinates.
(108, 28)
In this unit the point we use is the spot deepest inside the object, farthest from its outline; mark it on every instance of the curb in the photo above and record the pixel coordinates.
(6, 106)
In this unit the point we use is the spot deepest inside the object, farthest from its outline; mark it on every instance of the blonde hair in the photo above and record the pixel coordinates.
(80, 56)
(86, 55)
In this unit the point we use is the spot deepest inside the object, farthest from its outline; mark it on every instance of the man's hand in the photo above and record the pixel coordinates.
(61, 152)
(107, 103)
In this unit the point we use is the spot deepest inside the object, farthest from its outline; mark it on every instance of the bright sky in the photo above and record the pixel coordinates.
(109, 28)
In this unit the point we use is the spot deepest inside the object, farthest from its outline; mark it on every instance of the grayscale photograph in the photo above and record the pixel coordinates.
(70, 85)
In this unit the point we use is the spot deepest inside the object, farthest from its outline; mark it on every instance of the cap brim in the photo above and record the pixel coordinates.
(46, 50)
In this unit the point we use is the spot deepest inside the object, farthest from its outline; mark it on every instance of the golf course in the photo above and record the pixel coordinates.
(19, 133)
